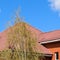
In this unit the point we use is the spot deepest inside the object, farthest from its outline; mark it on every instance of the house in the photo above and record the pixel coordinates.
(48, 43)
(51, 40)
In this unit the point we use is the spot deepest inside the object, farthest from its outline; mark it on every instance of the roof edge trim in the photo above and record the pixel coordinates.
(45, 42)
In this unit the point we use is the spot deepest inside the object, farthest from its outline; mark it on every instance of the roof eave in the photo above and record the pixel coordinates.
(50, 41)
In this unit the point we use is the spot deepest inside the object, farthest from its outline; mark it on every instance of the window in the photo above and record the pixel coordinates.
(56, 56)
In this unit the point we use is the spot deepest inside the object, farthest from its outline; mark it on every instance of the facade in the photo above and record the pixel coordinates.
(51, 41)
(48, 43)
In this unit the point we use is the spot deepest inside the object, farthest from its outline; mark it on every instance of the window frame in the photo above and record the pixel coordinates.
(56, 56)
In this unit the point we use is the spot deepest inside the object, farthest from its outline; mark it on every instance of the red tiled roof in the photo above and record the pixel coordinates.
(40, 37)
(41, 49)
(49, 36)
(3, 41)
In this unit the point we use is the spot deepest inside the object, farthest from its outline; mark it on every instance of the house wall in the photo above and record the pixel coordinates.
(54, 47)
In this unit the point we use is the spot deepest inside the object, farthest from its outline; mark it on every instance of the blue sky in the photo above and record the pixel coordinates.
(41, 14)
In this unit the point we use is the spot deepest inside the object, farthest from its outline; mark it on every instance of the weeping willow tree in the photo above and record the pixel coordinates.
(21, 43)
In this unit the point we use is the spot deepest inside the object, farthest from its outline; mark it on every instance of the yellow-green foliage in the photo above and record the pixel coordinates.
(22, 43)
(18, 55)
